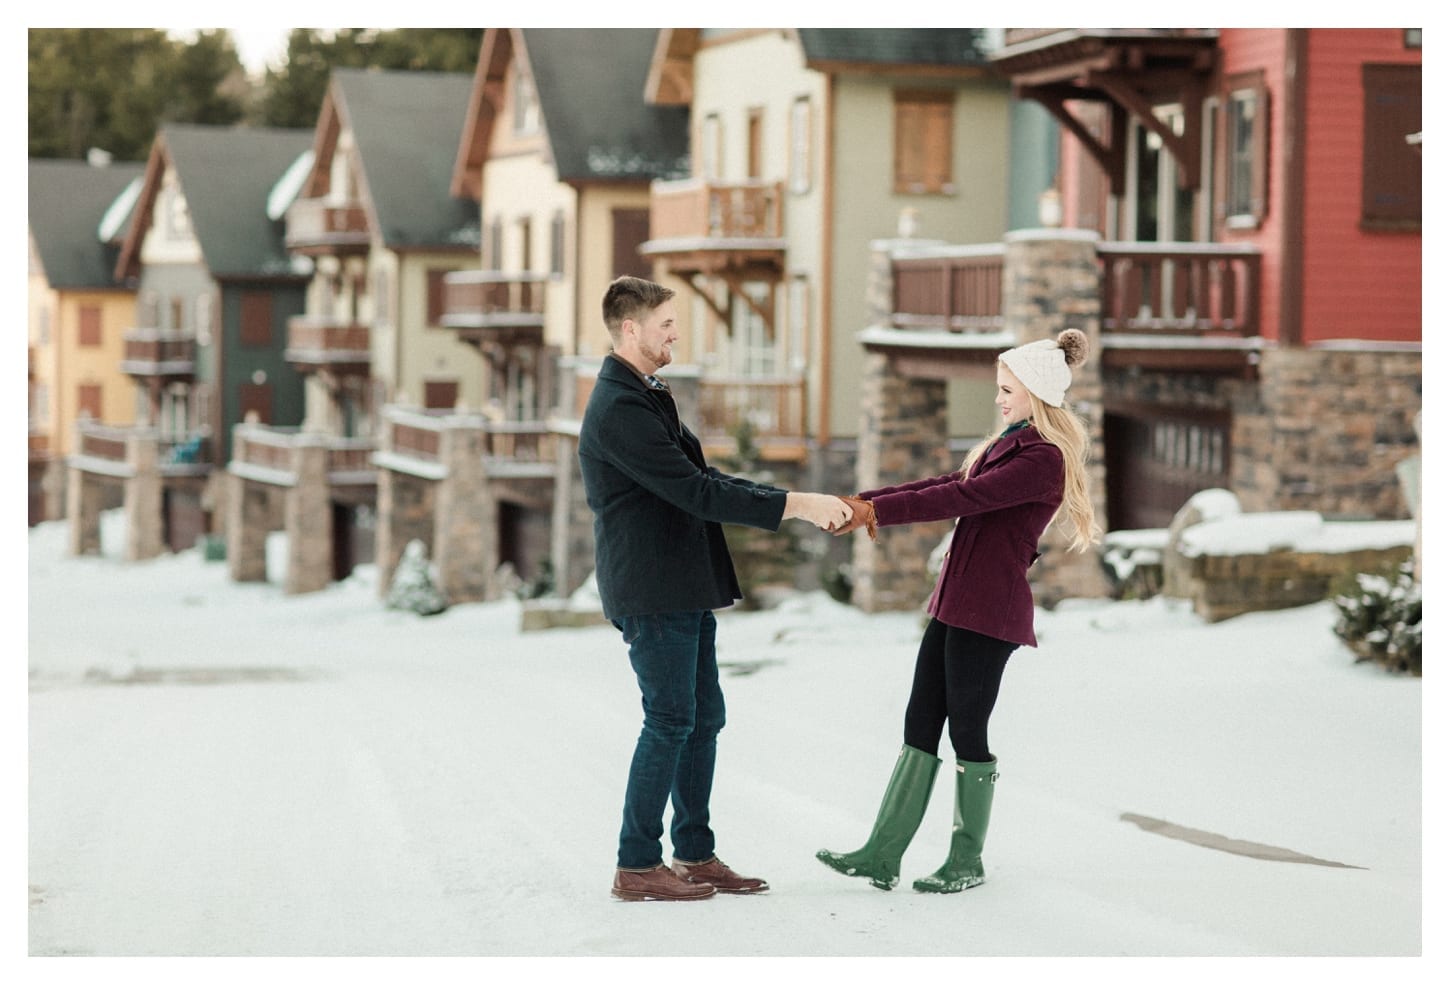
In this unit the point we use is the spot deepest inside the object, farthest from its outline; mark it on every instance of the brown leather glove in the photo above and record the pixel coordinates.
(863, 514)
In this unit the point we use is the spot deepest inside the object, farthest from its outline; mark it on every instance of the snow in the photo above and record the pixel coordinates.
(1297, 530)
(219, 769)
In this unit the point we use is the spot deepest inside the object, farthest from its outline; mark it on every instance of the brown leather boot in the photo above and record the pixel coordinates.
(714, 872)
(658, 883)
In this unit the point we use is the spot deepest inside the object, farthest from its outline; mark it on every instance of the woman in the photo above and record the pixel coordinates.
(1006, 493)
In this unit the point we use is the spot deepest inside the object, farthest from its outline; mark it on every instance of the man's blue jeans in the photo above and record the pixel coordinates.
(673, 655)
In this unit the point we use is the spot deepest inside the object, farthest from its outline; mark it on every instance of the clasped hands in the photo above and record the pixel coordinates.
(837, 514)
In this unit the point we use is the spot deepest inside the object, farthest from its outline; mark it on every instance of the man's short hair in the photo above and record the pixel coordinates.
(631, 298)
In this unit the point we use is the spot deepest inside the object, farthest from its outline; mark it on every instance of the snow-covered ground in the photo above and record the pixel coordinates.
(221, 769)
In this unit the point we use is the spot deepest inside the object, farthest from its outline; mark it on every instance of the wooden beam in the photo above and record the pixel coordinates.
(1185, 148)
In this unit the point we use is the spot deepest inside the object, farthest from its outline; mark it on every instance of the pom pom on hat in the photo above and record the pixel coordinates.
(1044, 366)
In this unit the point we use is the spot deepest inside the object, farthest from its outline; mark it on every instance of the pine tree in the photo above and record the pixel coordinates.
(413, 588)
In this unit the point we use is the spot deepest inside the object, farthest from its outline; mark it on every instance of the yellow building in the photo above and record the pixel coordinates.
(78, 315)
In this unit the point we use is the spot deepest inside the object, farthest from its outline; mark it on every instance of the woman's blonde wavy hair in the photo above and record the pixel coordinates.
(1062, 427)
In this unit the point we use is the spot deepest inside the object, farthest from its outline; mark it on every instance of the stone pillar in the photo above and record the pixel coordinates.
(143, 501)
(572, 526)
(465, 516)
(903, 437)
(85, 499)
(248, 521)
(1051, 282)
(308, 518)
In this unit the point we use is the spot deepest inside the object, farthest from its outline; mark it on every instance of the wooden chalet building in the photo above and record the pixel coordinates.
(558, 149)
(214, 289)
(368, 212)
(78, 314)
(1236, 224)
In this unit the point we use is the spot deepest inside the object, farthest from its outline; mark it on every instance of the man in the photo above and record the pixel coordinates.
(662, 566)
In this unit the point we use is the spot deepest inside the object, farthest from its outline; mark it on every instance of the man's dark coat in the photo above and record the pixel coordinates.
(658, 545)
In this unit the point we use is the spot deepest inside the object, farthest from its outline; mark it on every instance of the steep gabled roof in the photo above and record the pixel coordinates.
(405, 126)
(920, 47)
(591, 85)
(67, 201)
(226, 174)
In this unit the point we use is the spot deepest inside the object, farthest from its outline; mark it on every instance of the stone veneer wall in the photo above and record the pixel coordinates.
(1320, 429)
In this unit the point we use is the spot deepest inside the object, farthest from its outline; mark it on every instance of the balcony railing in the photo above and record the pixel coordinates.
(315, 342)
(958, 290)
(696, 209)
(315, 225)
(511, 449)
(774, 407)
(1180, 288)
(103, 448)
(491, 299)
(1204, 290)
(158, 352)
(263, 450)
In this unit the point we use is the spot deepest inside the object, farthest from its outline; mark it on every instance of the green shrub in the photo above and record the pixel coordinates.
(1379, 617)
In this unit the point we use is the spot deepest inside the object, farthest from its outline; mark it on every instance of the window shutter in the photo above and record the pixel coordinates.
(90, 325)
(1392, 166)
(256, 318)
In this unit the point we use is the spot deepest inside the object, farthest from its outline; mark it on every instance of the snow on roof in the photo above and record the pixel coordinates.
(935, 338)
(119, 211)
(284, 192)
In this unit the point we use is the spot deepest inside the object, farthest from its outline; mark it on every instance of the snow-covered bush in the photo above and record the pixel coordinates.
(413, 588)
(1380, 619)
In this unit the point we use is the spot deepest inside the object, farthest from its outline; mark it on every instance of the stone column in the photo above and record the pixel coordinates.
(903, 438)
(85, 498)
(1051, 282)
(465, 517)
(143, 500)
(248, 521)
(308, 518)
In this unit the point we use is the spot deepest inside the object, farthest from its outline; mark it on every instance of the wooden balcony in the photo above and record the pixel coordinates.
(489, 307)
(1180, 305)
(269, 454)
(1183, 306)
(956, 291)
(154, 354)
(317, 343)
(102, 449)
(317, 227)
(774, 408)
(712, 227)
(512, 450)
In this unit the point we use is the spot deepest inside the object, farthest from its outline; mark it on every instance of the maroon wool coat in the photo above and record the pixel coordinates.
(1002, 508)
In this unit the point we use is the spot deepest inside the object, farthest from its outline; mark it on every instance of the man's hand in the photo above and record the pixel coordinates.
(826, 512)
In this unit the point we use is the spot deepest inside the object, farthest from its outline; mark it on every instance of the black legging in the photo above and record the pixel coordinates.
(958, 674)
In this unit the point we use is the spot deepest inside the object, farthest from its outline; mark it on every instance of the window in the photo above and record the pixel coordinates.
(440, 394)
(556, 244)
(1392, 164)
(203, 318)
(754, 141)
(631, 228)
(495, 244)
(255, 398)
(526, 102)
(923, 143)
(711, 145)
(90, 325)
(436, 290)
(256, 318)
(1246, 139)
(800, 146)
(526, 244)
(88, 401)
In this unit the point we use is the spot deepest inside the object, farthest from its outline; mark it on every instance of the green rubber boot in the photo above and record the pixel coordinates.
(900, 815)
(963, 867)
